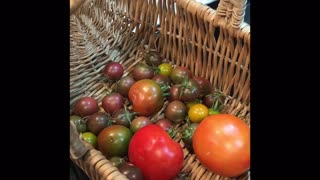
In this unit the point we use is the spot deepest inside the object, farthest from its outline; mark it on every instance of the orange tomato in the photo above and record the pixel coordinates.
(222, 144)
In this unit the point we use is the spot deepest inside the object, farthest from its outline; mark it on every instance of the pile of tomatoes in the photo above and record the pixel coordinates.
(124, 130)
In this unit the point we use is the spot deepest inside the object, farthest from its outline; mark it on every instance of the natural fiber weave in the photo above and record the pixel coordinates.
(212, 44)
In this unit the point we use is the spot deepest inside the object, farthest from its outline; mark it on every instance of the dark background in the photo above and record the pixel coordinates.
(75, 172)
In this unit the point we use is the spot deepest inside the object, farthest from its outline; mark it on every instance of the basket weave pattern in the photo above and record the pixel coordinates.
(214, 44)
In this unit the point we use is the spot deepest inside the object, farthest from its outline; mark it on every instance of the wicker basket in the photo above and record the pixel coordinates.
(212, 44)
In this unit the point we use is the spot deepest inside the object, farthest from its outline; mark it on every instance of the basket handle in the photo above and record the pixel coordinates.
(233, 11)
(77, 147)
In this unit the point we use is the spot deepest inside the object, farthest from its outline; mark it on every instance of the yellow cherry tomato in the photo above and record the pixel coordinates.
(165, 69)
(198, 112)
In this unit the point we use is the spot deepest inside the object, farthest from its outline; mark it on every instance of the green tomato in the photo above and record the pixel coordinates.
(79, 123)
(90, 138)
(114, 141)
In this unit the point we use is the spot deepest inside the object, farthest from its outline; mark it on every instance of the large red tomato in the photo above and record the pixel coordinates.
(155, 153)
(146, 97)
(222, 144)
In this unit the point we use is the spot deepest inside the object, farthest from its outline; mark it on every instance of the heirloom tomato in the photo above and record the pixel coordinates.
(155, 153)
(146, 97)
(221, 142)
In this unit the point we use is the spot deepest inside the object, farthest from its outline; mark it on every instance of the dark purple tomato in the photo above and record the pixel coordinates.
(162, 79)
(86, 106)
(131, 171)
(153, 58)
(174, 93)
(215, 100)
(124, 85)
(190, 92)
(204, 86)
(112, 102)
(98, 121)
(123, 117)
(113, 71)
(179, 74)
(139, 122)
(164, 123)
(142, 71)
(176, 111)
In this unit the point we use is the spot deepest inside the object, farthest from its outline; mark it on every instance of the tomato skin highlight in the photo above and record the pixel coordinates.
(221, 142)
(155, 153)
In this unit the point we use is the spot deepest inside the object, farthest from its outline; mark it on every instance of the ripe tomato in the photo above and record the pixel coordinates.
(222, 144)
(165, 69)
(146, 97)
(197, 113)
(155, 153)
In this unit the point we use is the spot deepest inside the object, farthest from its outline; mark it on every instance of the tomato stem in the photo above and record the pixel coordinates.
(156, 69)
(165, 94)
(164, 87)
(218, 103)
(172, 133)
